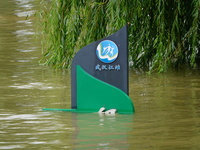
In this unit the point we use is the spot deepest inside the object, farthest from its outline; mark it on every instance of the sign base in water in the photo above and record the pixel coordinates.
(99, 76)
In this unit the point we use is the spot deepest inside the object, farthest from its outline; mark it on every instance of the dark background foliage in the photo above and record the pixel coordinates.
(162, 34)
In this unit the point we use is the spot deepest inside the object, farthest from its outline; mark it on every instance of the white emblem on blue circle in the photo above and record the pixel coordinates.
(107, 51)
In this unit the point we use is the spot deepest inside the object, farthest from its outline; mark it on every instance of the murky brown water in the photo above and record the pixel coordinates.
(167, 105)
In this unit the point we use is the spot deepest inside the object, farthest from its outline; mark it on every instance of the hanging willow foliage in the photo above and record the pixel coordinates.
(162, 34)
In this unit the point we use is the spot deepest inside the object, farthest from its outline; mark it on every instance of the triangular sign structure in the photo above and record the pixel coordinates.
(99, 76)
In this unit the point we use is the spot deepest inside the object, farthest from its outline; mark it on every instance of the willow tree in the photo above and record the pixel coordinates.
(162, 34)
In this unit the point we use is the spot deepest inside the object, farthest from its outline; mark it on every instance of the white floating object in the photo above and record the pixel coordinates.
(101, 110)
(111, 112)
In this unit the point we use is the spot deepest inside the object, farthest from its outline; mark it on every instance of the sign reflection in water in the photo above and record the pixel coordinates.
(100, 131)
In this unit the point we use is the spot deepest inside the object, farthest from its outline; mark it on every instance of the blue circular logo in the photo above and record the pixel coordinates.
(107, 51)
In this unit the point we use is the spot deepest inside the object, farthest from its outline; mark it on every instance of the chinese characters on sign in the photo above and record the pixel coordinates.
(107, 67)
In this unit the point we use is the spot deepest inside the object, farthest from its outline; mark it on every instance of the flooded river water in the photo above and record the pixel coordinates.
(167, 105)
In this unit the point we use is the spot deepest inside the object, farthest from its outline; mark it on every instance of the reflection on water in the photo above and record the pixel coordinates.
(167, 105)
(104, 132)
(65, 130)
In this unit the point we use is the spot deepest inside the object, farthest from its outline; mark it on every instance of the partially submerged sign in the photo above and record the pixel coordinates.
(99, 76)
